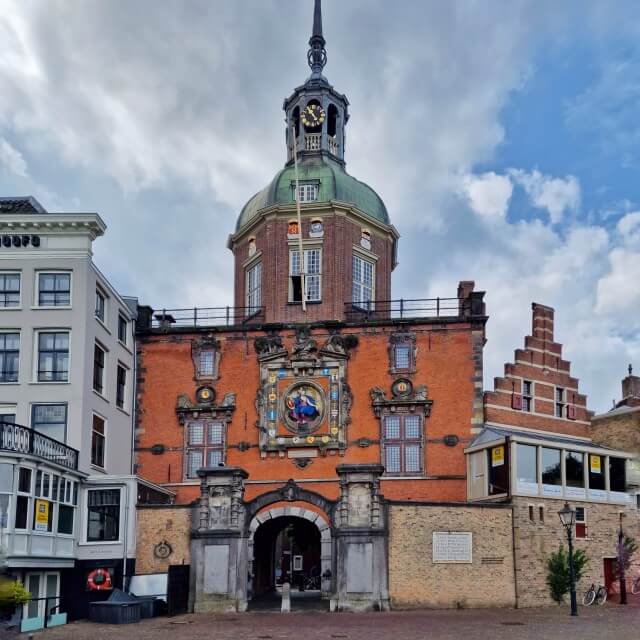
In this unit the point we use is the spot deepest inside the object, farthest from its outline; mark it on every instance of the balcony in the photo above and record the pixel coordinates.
(313, 142)
(18, 439)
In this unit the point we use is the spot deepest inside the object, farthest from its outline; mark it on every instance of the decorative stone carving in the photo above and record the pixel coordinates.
(269, 347)
(290, 491)
(221, 498)
(304, 400)
(405, 397)
(340, 345)
(305, 347)
(359, 505)
(186, 409)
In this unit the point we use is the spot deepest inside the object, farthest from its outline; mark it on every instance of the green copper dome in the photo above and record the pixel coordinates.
(334, 184)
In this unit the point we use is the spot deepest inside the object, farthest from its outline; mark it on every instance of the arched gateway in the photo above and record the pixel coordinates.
(241, 549)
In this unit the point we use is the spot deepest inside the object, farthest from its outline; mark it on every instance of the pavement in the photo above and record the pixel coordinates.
(592, 623)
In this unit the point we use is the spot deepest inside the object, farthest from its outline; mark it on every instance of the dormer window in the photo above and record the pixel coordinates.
(307, 193)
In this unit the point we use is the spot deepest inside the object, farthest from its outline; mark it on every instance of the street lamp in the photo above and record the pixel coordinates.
(568, 518)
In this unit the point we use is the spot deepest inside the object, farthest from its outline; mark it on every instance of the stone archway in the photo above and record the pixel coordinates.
(312, 517)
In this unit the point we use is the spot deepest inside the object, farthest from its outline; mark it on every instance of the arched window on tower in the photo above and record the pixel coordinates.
(295, 118)
(332, 129)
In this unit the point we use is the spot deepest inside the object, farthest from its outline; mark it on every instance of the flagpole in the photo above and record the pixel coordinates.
(297, 199)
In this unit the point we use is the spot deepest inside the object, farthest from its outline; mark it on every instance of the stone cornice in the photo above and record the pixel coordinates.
(90, 224)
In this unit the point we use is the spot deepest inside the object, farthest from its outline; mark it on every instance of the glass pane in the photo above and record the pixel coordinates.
(22, 508)
(392, 458)
(215, 433)
(196, 433)
(574, 469)
(51, 589)
(617, 476)
(33, 587)
(98, 425)
(596, 472)
(214, 458)
(579, 514)
(6, 478)
(24, 480)
(65, 519)
(551, 470)
(392, 427)
(402, 357)
(527, 468)
(47, 282)
(47, 341)
(412, 458)
(194, 463)
(412, 427)
(206, 363)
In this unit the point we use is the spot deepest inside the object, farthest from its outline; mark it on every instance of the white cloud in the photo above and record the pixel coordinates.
(618, 290)
(11, 160)
(488, 194)
(556, 195)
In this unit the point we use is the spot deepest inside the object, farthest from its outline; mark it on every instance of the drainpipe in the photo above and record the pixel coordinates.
(125, 538)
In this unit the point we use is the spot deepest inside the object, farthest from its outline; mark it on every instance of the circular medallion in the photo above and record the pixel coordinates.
(325, 439)
(162, 550)
(334, 431)
(402, 388)
(205, 395)
(303, 407)
(310, 439)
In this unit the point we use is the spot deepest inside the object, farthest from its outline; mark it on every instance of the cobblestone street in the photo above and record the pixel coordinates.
(610, 621)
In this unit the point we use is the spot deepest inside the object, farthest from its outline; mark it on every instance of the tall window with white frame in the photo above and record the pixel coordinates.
(99, 357)
(100, 304)
(121, 386)
(205, 445)
(253, 286)
(50, 420)
(53, 356)
(313, 275)
(98, 442)
(9, 356)
(103, 515)
(54, 289)
(363, 283)
(402, 443)
(9, 289)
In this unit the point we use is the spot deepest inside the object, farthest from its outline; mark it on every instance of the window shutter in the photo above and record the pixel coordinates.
(581, 530)
(571, 412)
(516, 401)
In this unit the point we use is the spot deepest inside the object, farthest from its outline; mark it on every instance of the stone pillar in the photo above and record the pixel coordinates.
(362, 534)
(218, 542)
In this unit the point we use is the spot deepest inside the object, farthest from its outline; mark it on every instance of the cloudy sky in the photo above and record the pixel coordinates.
(503, 136)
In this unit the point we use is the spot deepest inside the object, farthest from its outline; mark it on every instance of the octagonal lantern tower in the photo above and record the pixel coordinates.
(347, 239)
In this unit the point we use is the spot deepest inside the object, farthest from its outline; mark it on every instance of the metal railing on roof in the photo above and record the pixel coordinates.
(19, 439)
(207, 317)
(364, 310)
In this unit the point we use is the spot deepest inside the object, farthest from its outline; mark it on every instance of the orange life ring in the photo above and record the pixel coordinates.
(99, 580)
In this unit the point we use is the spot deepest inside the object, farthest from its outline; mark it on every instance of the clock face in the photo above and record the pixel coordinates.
(313, 115)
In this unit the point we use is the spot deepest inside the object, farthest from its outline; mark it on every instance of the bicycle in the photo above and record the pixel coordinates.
(635, 585)
(595, 594)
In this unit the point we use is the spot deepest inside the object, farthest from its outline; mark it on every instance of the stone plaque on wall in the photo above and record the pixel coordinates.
(216, 568)
(452, 546)
(359, 567)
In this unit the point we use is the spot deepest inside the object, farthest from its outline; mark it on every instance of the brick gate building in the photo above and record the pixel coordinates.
(315, 433)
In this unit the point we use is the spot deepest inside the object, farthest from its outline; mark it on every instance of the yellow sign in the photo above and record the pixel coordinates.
(596, 464)
(497, 456)
(42, 515)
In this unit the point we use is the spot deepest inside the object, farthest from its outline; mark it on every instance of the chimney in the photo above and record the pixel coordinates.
(542, 322)
(630, 387)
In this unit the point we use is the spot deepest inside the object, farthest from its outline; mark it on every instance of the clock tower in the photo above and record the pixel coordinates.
(335, 258)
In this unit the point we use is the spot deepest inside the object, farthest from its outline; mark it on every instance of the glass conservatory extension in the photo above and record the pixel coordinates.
(503, 462)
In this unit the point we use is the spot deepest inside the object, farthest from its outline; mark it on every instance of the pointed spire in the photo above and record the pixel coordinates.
(317, 55)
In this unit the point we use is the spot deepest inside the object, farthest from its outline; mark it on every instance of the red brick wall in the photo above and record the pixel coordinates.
(341, 233)
(444, 363)
(541, 363)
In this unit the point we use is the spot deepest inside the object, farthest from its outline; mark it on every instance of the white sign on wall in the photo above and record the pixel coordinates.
(452, 546)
